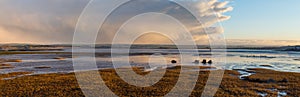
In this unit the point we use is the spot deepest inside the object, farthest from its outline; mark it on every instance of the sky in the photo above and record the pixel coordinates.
(244, 21)
(264, 20)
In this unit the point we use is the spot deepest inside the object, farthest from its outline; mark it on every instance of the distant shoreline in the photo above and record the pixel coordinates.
(28, 47)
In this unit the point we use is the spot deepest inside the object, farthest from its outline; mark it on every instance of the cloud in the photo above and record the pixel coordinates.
(36, 21)
(53, 21)
(211, 13)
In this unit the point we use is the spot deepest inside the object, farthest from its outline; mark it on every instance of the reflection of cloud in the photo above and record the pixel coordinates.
(53, 21)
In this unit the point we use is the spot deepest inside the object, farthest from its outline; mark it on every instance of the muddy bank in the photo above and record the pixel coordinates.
(263, 82)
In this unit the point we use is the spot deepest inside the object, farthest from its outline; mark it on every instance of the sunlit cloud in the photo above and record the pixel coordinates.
(54, 21)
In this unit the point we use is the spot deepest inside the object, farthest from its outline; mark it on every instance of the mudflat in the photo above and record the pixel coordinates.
(262, 82)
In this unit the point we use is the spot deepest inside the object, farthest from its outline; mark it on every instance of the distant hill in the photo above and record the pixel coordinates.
(28, 47)
(290, 48)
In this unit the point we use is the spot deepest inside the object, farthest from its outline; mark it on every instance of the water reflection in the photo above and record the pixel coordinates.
(276, 60)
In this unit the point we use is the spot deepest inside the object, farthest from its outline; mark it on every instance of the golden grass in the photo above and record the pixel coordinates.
(231, 86)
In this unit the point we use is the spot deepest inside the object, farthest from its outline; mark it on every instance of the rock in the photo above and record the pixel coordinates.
(196, 61)
(204, 61)
(173, 61)
(210, 62)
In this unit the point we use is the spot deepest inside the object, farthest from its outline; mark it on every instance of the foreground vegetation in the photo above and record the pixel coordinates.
(264, 81)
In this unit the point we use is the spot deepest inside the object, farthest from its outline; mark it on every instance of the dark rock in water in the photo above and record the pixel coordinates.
(196, 61)
(210, 62)
(173, 61)
(204, 61)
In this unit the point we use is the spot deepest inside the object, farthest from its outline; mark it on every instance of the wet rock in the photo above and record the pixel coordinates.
(204, 61)
(196, 61)
(210, 62)
(173, 61)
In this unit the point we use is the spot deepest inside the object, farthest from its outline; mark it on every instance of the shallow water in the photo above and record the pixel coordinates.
(235, 59)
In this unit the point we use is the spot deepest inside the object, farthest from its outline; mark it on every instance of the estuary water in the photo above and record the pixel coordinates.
(287, 61)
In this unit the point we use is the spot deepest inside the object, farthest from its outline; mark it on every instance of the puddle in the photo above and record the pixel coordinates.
(244, 74)
(281, 93)
(262, 94)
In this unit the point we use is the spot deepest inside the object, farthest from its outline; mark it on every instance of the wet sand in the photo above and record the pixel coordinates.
(262, 82)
